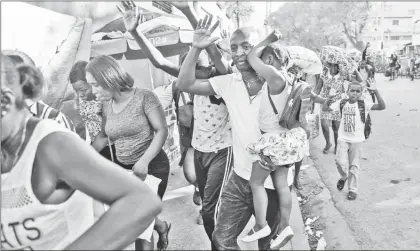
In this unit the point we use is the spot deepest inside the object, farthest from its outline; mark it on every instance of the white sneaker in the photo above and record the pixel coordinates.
(283, 238)
(264, 232)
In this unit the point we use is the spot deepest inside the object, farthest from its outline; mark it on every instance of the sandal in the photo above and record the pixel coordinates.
(340, 184)
(351, 195)
(327, 148)
(163, 241)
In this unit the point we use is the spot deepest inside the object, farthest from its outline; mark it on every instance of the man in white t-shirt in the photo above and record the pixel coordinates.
(241, 93)
(351, 134)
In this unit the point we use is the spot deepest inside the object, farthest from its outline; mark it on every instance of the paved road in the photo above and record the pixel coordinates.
(386, 214)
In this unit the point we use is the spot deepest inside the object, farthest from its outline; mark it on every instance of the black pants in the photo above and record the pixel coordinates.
(106, 152)
(212, 170)
(158, 167)
(236, 209)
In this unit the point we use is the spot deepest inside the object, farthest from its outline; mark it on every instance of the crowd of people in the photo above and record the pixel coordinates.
(243, 118)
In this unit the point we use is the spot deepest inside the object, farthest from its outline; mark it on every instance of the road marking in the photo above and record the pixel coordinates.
(180, 192)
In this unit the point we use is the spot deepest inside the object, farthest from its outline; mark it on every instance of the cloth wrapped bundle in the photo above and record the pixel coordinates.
(299, 59)
(336, 55)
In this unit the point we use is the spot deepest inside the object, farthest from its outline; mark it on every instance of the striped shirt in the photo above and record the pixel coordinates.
(44, 111)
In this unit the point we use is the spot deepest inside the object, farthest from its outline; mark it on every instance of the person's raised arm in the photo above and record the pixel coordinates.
(133, 205)
(187, 81)
(132, 17)
(381, 103)
(220, 63)
(273, 76)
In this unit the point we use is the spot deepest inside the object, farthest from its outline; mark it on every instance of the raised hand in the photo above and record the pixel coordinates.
(132, 16)
(274, 36)
(371, 85)
(181, 5)
(202, 33)
(225, 41)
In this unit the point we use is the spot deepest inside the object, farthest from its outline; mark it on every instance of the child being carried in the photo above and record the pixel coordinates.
(282, 121)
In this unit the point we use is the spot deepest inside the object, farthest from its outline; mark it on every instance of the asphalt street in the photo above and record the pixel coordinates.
(386, 214)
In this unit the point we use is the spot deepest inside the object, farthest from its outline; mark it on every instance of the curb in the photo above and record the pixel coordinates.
(336, 232)
(299, 241)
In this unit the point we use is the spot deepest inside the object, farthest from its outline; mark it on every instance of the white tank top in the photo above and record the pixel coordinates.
(268, 120)
(26, 223)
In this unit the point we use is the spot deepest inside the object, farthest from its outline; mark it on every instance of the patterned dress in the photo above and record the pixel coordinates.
(334, 87)
(91, 113)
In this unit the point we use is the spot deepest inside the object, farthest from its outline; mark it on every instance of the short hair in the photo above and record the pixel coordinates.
(354, 83)
(109, 73)
(31, 80)
(248, 32)
(19, 57)
(78, 72)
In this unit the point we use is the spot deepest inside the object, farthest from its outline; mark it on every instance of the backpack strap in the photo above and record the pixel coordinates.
(362, 109)
(342, 104)
(53, 113)
(271, 101)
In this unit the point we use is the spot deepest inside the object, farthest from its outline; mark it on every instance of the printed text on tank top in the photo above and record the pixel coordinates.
(29, 222)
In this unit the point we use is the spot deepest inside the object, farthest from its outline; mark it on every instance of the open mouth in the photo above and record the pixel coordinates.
(242, 63)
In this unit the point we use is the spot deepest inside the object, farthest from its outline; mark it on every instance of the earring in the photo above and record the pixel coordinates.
(3, 113)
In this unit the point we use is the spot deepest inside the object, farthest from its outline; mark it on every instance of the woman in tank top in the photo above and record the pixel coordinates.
(134, 120)
(45, 183)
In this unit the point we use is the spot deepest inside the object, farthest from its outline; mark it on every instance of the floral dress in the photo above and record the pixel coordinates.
(91, 113)
(334, 88)
(281, 145)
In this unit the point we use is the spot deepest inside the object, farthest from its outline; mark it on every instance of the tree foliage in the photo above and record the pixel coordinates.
(314, 24)
(239, 11)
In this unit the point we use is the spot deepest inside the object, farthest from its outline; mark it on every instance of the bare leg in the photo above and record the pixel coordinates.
(259, 195)
(326, 131)
(285, 197)
(335, 126)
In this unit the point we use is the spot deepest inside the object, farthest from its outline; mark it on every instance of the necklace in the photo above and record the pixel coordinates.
(16, 155)
(248, 85)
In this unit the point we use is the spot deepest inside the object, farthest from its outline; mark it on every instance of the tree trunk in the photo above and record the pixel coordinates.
(237, 20)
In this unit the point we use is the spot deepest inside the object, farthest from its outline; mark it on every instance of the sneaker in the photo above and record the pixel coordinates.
(283, 238)
(196, 197)
(264, 232)
(200, 219)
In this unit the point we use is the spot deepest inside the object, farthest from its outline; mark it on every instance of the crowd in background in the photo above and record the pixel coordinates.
(245, 115)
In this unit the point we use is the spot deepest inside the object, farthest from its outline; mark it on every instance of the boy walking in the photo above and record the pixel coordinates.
(353, 131)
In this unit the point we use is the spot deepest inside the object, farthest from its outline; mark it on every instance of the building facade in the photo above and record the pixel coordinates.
(392, 25)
